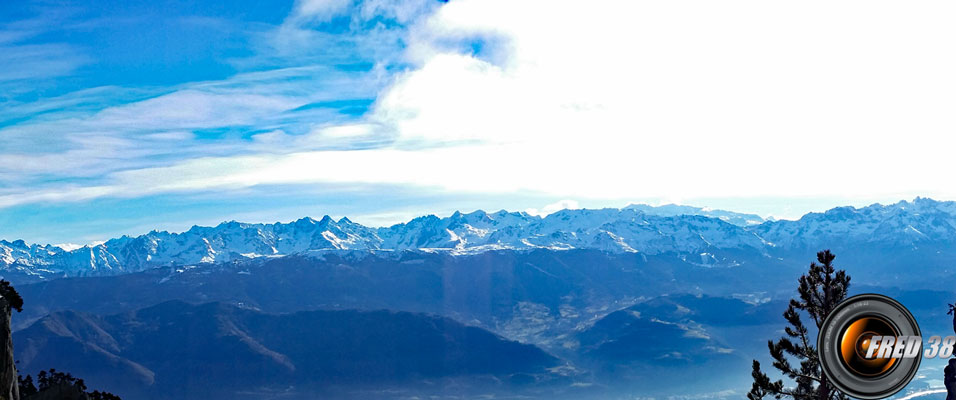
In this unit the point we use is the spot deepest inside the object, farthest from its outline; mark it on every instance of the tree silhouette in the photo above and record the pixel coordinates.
(52, 380)
(949, 373)
(11, 295)
(820, 290)
(27, 388)
(46, 380)
(98, 395)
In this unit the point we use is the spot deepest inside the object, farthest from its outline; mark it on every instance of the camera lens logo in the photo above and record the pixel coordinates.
(869, 346)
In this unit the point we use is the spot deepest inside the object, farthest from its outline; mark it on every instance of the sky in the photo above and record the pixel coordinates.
(120, 117)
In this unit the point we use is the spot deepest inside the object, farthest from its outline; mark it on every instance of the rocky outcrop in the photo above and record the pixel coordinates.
(8, 369)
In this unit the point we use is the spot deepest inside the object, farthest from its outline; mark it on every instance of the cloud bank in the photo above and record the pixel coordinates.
(595, 100)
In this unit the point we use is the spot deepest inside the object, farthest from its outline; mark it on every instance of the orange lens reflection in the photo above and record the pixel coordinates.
(856, 341)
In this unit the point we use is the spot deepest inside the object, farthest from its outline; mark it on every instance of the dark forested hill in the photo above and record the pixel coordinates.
(216, 351)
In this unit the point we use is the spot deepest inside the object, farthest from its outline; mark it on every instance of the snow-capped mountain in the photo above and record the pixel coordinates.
(27, 254)
(694, 233)
(610, 229)
(904, 223)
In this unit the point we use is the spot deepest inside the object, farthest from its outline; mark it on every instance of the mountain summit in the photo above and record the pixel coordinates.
(695, 232)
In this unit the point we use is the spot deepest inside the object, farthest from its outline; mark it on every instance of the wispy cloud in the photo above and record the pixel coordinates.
(344, 32)
(84, 145)
(639, 100)
(23, 60)
(171, 126)
(38, 61)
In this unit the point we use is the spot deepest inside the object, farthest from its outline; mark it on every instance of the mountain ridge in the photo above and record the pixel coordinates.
(174, 349)
(690, 231)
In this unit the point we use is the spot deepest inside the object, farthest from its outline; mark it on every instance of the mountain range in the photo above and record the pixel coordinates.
(609, 303)
(700, 235)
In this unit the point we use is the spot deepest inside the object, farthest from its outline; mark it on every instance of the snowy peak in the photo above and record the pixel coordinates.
(670, 210)
(903, 223)
(693, 233)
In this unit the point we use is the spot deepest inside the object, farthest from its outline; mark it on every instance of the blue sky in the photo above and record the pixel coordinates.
(118, 117)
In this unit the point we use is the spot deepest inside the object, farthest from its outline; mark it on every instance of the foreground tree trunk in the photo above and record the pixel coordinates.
(949, 379)
(8, 369)
(949, 373)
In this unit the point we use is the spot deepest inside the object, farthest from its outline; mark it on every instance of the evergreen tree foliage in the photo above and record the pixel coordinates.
(820, 290)
(11, 295)
(53, 379)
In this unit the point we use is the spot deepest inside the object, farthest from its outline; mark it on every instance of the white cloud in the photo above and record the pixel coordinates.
(159, 128)
(321, 10)
(554, 207)
(688, 99)
(325, 10)
(191, 108)
(22, 60)
(346, 131)
(69, 246)
(619, 100)
(374, 30)
(36, 62)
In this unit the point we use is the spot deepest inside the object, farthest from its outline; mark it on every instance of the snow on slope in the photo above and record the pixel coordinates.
(692, 232)
(670, 210)
(903, 223)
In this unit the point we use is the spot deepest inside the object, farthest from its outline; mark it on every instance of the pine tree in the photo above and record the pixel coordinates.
(820, 290)
(53, 380)
(13, 298)
(27, 388)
